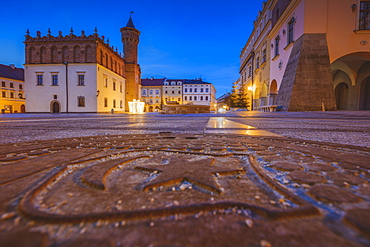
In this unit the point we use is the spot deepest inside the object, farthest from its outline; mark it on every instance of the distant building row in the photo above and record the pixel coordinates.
(158, 92)
(308, 55)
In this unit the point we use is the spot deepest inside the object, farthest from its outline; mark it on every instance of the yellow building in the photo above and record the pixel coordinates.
(12, 86)
(318, 55)
(151, 94)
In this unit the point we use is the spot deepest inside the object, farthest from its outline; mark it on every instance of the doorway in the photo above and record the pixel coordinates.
(55, 107)
(341, 96)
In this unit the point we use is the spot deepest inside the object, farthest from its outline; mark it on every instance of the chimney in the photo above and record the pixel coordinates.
(12, 66)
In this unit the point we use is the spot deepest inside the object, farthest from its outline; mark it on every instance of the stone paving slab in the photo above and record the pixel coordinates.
(184, 189)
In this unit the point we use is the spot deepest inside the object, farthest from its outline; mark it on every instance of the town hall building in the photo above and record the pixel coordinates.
(72, 74)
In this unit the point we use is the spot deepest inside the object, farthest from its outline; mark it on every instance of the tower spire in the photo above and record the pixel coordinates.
(130, 23)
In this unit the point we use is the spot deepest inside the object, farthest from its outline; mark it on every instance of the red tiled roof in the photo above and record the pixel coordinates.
(8, 72)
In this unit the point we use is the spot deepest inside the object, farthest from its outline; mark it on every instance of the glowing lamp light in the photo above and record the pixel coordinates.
(136, 107)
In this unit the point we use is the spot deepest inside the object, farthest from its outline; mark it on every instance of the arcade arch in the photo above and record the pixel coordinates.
(351, 78)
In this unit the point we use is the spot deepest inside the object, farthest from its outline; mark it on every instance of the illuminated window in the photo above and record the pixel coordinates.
(81, 101)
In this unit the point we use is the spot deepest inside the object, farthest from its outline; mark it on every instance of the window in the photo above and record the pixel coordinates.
(156, 101)
(114, 85)
(173, 83)
(20, 86)
(54, 80)
(195, 97)
(178, 99)
(264, 56)
(105, 81)
(11, 85)
(11, 95)
(157, 92)
(105, 102)
(151, 92)
(249, 71)
(81, 101)
(173, 92)
(186, 90)
(291, 30)
(201, 90)
(121, 104)
(81, 80)
(114, 103)
(195, 90)
(166, 92)
(3, 84)
(3, 94)
(179, 92)
(206, 90)
(150, 101)
(55, 96)
(206, 97)
(364, 20)
(190, 90)
(277, 40)
(40, 80)
(120, 88)
(190, 98)
(144, 92)
(257, 62)
(201, 97)
(186, 97)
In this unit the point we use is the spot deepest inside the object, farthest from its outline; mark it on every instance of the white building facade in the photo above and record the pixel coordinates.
(198, 92)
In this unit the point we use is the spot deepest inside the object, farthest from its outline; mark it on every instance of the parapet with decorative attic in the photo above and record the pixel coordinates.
(72, 48)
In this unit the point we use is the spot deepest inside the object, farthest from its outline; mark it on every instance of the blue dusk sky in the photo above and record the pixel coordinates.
(179, 38)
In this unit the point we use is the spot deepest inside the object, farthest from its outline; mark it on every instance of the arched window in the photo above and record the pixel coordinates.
(31, 55)
(54, 54)
(88, 52)
(76, 54)
(42, 54)
(65, 54)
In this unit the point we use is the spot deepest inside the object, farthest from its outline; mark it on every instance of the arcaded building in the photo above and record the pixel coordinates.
(317, 56)
(81, 73)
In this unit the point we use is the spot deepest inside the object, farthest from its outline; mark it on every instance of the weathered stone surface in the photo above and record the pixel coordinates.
(83, 195)
(307, 84)
(329, 193)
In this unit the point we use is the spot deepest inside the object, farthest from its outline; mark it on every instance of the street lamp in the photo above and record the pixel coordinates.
(251, 89)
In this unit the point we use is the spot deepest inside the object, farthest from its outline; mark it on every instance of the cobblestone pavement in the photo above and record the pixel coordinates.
(237, 179)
